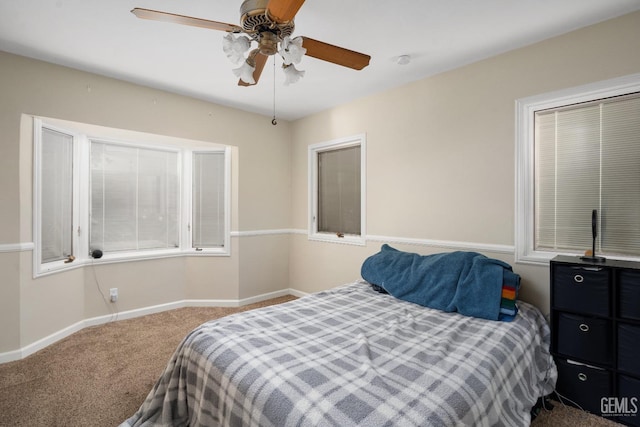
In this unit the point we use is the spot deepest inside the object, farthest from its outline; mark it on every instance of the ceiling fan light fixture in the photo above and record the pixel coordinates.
(245, 73)
(291, 74)
(235, 47)
(291, 50)
(269, 23)
(267, 43)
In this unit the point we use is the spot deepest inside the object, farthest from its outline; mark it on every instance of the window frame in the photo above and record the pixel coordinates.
(40, 267)
(82, 198)
(187, 230)
(525, 155)
(313, 151)
(135, 254)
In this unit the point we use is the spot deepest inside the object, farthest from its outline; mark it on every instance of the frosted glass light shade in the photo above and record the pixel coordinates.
(235, 47)
(291, 74)
(291, 50)
(245, 73)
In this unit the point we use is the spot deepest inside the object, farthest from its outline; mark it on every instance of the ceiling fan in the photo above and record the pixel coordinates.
(270, 24)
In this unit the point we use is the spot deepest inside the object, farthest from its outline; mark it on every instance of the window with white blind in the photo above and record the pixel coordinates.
(135, 198)
(130, 200)
(336, 188)
(208, 204)
(584, 156)
(54, 195)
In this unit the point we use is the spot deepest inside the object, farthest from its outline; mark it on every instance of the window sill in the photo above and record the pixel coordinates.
(347, 239)
(535, 258)
(113, 258)
(543, 258)
(150, 255)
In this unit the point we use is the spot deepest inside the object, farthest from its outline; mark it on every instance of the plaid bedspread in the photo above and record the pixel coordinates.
(352, 356)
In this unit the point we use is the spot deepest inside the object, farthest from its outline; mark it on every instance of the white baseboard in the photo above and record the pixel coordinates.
(10, 356)
(36, 346)
(297, 293)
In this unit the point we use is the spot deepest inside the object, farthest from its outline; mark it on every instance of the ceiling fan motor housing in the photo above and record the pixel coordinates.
(258, 25)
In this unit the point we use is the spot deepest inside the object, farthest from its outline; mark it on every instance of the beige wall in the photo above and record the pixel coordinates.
(30, 309)
(441, 152)
(440, 166)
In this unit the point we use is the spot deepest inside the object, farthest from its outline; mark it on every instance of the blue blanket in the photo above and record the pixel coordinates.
(466, 282)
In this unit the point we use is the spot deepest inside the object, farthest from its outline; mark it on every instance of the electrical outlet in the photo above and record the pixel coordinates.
(113, 293)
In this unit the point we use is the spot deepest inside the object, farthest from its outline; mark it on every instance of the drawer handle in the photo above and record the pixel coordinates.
(584, 327)
(582, 377)
(578, 278)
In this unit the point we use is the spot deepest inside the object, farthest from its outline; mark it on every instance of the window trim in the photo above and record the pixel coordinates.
(525, 125)
(40, 267)
(186, 229)
(81, 197)
(313, 151)
(129, 254)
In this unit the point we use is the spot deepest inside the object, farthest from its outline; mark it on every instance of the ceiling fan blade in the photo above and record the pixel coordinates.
(337, 55)
(155, 15)
(260, 60)
(283, 10)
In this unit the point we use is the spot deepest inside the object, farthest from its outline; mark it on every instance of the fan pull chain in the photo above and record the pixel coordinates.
(274, 122)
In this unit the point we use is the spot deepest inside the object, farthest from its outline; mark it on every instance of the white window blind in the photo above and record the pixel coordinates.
(56, 195)
(134, 198)
(208, 200)
(339, 186)
(587, 156)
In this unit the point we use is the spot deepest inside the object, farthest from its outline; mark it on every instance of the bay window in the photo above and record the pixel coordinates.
(130, 200)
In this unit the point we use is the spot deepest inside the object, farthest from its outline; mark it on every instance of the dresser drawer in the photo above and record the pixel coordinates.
(629, 294)
(585, 338)
(629, 348)
(582, 289)
(585, 385)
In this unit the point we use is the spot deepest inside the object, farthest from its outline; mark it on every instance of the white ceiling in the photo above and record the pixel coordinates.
(103, 37)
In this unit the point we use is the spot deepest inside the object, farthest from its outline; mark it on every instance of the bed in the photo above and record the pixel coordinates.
(354, 356)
